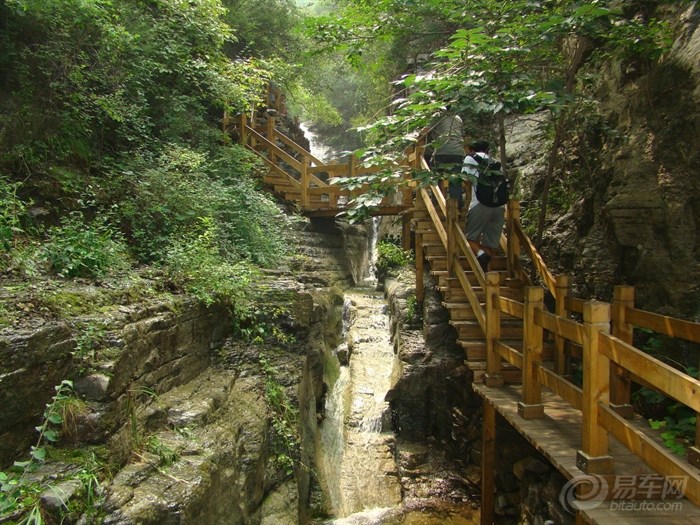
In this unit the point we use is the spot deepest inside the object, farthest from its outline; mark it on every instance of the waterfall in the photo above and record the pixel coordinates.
(371, 279)
(356, 457)
(316, 148)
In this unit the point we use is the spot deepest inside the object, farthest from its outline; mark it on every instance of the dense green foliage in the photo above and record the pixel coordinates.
(111, 152)
(486, 59)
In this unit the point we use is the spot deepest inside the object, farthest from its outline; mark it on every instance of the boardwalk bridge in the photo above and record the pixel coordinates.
(521, 352)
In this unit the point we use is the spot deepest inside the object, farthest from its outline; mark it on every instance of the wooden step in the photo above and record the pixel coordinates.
(440, 263)
(510, 374)
(429, 236)
(475, 349)
(471, 329)
(459, 311)
(456, 293)
(434, 249)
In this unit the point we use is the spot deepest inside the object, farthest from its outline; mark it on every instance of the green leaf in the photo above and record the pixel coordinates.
(55, 418)
(51, 435)
(38, 453)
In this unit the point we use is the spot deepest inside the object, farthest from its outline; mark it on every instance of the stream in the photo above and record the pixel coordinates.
(356, 459)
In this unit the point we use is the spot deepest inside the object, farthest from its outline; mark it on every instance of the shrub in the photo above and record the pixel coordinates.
(390, 255)
(80, 249)
(12, 213)
(196, 264)
(172, 193)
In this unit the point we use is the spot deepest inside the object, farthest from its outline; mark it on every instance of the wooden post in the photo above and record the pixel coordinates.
(254, 125)
(420, 148)
(351, 166)
(620, 384)
(452, 214)
(513, 213)
(243, 129)
(271, 137)
(593, 457)
(488, 463)
(694, 452)
(531, 406)
(420, 285)
(493, 376)
(562, 288)
(406, 231)
(304, 182)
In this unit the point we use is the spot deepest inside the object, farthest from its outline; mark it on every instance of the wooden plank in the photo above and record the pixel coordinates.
(510, 354)
(472, 297)
(465, 250)
(560, 386)
(652, 453)
(532, 350)
(574, 304)
(566, 328)
(294, 163)
(665, 378)
(556, 436)
(663, 324)
(511, 307)
(437, 223)
(563, 290)
(594, 438)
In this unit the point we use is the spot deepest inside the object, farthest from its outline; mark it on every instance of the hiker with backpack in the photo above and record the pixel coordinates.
(489, 195)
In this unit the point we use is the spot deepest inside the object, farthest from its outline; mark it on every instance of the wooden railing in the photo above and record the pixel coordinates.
(609, 363)
(601, 341)
(310, 182)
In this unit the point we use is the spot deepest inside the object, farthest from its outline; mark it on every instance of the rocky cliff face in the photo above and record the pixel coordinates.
(180, 412)
(638, 216)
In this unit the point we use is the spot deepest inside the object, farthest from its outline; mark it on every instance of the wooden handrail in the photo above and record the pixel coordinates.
(437, 222)
(663, 324)
(296, 147)
(535, 257)
(673, 383)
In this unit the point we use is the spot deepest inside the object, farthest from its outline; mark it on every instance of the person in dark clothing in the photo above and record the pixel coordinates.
(484, 224)
(448, 155)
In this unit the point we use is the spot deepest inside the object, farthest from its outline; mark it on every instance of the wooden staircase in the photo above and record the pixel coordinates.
(517, 349)
(470, 335)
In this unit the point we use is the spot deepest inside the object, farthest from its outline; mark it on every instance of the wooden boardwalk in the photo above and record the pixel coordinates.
(557, 436)
(521, 350)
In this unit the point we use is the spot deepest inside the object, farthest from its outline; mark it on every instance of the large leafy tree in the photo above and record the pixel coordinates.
(486, 59)
(88, 76)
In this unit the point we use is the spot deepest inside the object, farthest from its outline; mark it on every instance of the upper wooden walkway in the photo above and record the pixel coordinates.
(522, 354)
(300, 178)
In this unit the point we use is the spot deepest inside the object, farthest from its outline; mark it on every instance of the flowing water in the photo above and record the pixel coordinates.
(356, 458)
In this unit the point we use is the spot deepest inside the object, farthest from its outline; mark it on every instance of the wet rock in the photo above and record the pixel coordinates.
(93, 387)
(281, 506)
(56, 498)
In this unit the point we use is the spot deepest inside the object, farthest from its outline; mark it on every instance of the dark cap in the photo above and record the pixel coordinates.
(480, 145)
